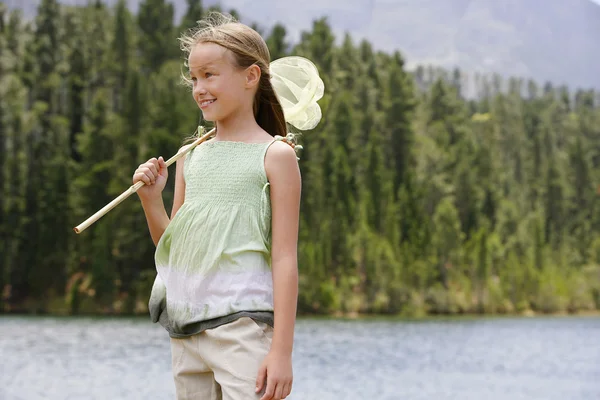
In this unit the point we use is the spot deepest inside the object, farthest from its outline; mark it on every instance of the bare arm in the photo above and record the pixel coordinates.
(179, 195)
(284, 176)
(154, 173)
(156, 216)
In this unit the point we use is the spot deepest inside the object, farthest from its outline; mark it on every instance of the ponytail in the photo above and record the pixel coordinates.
(267, 109)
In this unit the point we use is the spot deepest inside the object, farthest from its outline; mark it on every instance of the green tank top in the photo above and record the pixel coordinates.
(213, 261)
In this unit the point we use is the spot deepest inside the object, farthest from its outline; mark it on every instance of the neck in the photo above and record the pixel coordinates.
(237, 127)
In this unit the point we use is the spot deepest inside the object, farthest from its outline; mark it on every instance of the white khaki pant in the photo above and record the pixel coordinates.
(221, 363)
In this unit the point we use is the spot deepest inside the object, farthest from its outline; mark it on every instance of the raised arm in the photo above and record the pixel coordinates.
(154, 173)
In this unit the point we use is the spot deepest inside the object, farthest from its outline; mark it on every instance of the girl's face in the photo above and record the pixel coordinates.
(219, 87)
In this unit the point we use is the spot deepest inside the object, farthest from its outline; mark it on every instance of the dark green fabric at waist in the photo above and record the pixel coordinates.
(197, 327)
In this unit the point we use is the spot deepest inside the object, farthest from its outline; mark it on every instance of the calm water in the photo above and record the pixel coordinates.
(506, 358)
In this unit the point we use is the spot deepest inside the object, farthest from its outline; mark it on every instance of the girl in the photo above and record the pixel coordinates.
(227, 282)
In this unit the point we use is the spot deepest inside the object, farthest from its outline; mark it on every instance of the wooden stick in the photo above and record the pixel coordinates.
(133, 188)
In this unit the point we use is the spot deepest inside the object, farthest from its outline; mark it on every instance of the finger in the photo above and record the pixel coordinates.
(152, 166)
(152, 172)
(270, 390)
(146, 171)
(287, 389)
(284, 390)
(163, 169)
(260, 378)
(278, 394)
(140, 176)
(156, 164)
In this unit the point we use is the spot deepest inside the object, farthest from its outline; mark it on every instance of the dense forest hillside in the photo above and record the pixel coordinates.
(415, 199)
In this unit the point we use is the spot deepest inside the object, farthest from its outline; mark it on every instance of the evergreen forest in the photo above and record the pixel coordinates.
(425, 191)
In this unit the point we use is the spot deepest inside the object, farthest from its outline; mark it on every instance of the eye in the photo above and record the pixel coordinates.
(208, 74)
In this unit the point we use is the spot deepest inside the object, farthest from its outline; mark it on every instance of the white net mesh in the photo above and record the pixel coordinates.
(298, 86)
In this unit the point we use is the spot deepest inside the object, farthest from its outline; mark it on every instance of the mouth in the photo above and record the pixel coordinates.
(205, 103)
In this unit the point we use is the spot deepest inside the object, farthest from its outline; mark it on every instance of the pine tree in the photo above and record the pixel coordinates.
(399, 114)
(157, 41)
(447, 239)
(77, 79)
(193, 14)
(3, 144)
(278, 47)
(318, 46)
(44, 139)
(94, 170)
(122, 49)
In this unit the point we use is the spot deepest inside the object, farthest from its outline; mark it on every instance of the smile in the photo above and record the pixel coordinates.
(206, 103)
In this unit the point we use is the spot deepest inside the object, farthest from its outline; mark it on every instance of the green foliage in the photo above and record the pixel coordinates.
(278, 47)
(415, 199)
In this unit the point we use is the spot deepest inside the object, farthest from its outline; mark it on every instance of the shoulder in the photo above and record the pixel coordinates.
(184, 148)
(280, 160)
(280, 154)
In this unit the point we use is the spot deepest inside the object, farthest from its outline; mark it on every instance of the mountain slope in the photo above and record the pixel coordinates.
(551, 40)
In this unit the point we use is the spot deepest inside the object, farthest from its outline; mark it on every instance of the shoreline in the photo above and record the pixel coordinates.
(439, 317)
(342, 316)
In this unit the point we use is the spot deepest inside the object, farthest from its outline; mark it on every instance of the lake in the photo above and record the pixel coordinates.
(543, 358)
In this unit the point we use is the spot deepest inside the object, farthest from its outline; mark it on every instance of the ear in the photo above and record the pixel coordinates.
(253, 75)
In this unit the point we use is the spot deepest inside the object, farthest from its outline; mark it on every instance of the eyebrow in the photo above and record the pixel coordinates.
(202, 67)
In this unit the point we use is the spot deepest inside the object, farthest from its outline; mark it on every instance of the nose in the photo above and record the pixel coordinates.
(199, 90)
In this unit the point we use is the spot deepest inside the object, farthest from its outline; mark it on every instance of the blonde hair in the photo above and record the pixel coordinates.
(248, 48)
